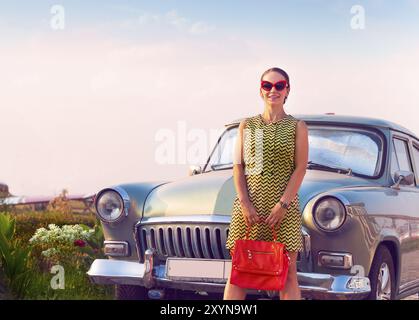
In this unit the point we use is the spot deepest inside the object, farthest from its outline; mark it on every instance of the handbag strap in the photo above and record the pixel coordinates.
(249, 227)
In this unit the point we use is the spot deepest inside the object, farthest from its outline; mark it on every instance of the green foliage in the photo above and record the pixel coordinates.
(95, 242)
(28, 222)
(5, 208)
(14, 257)
(7, 227)
(30, 270)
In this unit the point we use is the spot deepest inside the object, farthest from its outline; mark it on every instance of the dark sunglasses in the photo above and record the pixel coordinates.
(279, 86)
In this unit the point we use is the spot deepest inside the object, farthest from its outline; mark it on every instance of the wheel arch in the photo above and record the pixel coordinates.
(393, 245)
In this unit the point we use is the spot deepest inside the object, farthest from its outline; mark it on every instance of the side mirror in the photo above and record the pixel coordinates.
(194, 169)
(402, 177)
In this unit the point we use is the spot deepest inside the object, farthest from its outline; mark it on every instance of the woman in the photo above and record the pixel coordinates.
(269, 167)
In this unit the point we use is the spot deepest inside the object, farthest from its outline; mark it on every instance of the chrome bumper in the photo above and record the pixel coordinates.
(312, 285)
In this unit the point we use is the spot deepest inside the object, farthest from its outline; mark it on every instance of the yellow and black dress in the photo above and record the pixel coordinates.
(269, 162)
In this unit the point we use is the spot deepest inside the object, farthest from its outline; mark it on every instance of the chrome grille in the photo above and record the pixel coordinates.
(184, 240)
(205, 239)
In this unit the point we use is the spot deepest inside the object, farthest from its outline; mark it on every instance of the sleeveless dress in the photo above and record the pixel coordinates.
(267, 175)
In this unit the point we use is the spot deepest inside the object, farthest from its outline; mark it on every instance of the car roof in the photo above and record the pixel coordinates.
(344, 119)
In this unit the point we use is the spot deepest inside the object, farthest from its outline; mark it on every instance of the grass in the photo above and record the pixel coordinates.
(77, 286)
(5, 293)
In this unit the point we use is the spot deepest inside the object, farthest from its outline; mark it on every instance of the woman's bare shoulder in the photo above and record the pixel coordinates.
(302, 129)
(301, 124)
(245, 121)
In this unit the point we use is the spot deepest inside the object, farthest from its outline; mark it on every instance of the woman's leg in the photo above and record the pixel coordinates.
(291, 290)
(233, 292)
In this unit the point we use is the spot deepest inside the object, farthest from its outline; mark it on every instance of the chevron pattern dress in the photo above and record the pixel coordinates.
(267, 175)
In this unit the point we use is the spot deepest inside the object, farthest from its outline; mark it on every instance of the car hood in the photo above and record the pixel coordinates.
(214, 192)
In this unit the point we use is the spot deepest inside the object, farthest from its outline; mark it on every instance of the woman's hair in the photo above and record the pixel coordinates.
(279, 71)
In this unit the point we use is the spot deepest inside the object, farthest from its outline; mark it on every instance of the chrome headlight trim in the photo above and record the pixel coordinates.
(113, 248)
(124, 201)
(338, 209)
(346, 258)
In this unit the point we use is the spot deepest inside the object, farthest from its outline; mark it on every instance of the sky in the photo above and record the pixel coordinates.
(88, 91)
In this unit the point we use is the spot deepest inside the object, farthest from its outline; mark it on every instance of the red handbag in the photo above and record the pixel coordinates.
(261, 265)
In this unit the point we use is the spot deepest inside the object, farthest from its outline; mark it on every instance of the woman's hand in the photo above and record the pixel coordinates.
(277, 214)
(249, 213)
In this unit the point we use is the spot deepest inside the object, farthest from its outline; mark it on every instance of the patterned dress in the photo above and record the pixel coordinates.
(269, 164)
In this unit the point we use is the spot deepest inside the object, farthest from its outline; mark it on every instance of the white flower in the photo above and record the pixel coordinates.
(64, 235)
(50, 252)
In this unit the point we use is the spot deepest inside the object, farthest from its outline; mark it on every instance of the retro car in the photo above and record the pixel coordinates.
(359, 201)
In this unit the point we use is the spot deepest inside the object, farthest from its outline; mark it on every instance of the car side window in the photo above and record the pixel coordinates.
(400, 156)
(416, 160)
(223, 153)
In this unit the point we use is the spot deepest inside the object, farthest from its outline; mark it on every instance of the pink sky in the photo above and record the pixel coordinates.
(82, 112)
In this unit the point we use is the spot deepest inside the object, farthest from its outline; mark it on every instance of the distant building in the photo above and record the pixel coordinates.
(75, 202)
(4, 190)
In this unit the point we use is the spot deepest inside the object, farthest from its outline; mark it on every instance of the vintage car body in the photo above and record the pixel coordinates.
(171, 235)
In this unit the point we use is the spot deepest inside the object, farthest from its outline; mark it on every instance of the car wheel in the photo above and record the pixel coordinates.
(129, 292)
(382, 276)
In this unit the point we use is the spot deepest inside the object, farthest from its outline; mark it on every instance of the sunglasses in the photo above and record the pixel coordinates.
(279, 86)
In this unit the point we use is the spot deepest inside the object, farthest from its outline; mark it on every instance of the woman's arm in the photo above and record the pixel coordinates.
(301, 158)
(238, 167)
(240, 183)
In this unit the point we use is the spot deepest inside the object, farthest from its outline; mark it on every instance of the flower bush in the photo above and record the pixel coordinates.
(79, 243)
(25, 266)
(29, 221)
(56, 235)
(62, 244)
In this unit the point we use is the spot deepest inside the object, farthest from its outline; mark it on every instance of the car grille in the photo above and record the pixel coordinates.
(197, 240)
(184, 240)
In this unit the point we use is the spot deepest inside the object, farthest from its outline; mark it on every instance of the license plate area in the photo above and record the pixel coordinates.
(197, 270)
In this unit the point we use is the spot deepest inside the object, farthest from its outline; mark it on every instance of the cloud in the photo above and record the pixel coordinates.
(169, 19)
(200, 28)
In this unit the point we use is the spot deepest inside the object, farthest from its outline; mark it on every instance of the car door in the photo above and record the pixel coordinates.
(408, 198)
(413, 249)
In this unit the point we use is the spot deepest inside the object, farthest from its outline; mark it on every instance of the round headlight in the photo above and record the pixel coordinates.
(110, 206)
(329, 214)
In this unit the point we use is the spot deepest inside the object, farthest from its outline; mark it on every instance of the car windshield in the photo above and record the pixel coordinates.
(336, 147)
